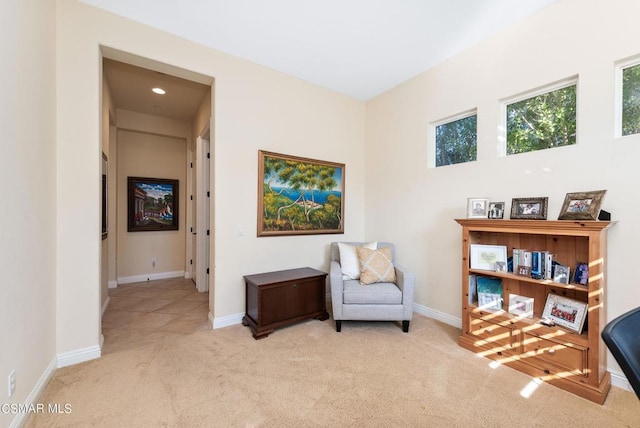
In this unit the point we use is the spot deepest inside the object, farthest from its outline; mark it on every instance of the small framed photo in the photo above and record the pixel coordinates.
(486, 257)
(501, 266)
(529, 208)
(477, 207)
(582, 205)
(496, 210)
(565, 312)
(523, 271)
(581, 274)
(521, 306)
(561, 274)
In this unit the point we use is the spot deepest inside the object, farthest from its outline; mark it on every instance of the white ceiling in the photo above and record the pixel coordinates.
(357, 47)
(130, 88)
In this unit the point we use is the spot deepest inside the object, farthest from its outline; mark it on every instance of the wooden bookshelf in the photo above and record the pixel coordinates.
(572, 361)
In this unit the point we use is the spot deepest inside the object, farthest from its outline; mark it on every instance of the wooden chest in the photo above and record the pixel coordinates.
(277, 299)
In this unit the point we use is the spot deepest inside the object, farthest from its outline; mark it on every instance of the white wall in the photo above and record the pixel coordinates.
(28, 212)
(255, 108)
(415, 206)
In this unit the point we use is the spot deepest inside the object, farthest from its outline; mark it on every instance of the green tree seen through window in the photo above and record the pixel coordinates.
(542, 122)
(631, 100)
(457, 141)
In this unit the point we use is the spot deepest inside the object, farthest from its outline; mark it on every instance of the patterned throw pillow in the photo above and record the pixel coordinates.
(375, 265)
(349, 259)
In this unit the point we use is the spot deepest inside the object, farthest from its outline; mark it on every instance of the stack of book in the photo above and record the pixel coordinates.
(539, 263)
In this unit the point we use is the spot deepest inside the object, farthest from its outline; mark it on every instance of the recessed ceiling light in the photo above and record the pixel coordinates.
(158, 91)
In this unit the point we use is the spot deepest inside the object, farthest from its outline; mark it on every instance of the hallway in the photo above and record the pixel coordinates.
(144, 312)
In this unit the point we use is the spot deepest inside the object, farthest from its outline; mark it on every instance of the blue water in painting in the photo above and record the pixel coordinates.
(318, 197)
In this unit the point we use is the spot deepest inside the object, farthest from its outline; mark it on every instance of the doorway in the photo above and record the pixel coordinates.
(184, 111)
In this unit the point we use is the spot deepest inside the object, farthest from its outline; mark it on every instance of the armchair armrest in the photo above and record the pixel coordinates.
(335, 282)
(406, 281)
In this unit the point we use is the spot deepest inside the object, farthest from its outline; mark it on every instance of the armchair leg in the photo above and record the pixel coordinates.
(338, 325)
(405, 326)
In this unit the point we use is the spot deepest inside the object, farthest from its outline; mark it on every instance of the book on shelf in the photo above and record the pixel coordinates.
(548, 265)
(473, 290)
(489, 292)
(536, 265)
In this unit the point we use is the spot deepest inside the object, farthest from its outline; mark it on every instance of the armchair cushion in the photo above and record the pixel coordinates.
(375, 265)
(382, 293)
(349, 259)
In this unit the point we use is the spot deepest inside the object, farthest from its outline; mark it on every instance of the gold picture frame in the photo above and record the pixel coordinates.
(299, 196)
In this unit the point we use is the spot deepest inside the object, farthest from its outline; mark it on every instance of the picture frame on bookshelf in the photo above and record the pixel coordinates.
(582, 205)
(477, 207)
(565, 312)
(561, 274)
(485, 257)
(581, 274)
(523, 271)
(521, 306)
(496, 210)
(489, 293)
(529, 208)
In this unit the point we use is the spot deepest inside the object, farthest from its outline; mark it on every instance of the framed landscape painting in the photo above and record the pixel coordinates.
(152, 204)
(299, 196)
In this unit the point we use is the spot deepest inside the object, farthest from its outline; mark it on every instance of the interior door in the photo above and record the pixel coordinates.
(203, 198)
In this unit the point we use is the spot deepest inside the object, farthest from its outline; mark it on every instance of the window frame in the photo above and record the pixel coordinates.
(620, 66)
(532, 93)
(431, 159)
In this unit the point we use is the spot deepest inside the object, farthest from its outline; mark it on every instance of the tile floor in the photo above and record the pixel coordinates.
(143, 312)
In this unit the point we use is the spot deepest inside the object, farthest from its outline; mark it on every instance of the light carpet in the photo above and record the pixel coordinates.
(307, 375)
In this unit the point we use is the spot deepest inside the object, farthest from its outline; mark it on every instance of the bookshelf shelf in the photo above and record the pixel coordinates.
(572, 360)
(542, 282)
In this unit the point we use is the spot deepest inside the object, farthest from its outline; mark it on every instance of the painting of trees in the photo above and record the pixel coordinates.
(299, 195)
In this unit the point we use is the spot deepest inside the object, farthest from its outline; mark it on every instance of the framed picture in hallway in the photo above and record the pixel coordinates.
(152, 204)
(299, 196)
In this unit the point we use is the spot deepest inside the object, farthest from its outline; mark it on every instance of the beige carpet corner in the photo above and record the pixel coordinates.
(307, 375)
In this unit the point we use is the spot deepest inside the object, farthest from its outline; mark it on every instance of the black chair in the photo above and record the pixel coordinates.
(622, 337)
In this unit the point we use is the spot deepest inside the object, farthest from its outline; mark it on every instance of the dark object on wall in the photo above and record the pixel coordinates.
(152, 204)
(105, 184)
(622, 338)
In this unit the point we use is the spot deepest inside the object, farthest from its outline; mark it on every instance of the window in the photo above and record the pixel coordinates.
(456, 140)
(631, 100)
(543, 121)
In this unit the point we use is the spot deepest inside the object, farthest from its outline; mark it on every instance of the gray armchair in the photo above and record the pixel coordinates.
(382, 301)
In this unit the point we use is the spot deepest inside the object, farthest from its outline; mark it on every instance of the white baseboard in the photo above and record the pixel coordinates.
(35, 393)
(150, 277)
(79, 356)
(187, 275)
(104, 305)
(437, 315)
(112, 284)
(619, 380)
(226, 321)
